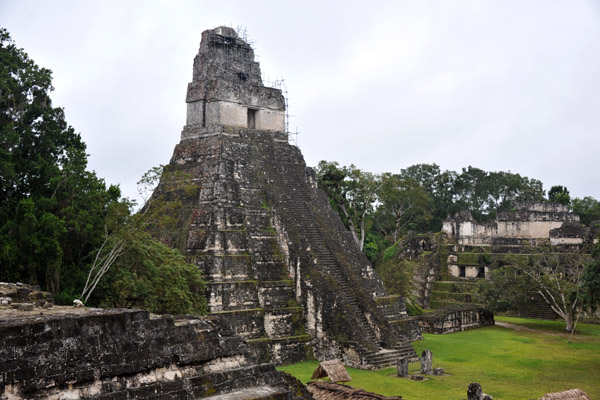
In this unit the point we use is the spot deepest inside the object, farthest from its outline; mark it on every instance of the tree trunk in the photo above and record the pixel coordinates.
(351, 225)
(569, 323)
(361, 243)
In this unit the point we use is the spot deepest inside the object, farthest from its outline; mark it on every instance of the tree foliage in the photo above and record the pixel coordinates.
(155, 277)
(351, 192)
(397, 276)
(440, 187)
(559, 194)
(557, 277)
(51, 208)
(588, 210)
(403, 205)
(590, 288)
(486, 193)
(60, 225)
(133, 269)
(420, 197)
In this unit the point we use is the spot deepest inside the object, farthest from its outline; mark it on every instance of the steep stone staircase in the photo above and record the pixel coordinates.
(294, 204)
(537, 308)
(454, 292)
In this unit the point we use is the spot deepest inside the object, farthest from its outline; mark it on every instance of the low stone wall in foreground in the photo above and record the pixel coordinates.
(74, 353)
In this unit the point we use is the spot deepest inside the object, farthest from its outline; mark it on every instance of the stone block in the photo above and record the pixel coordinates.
(402, 367)
(426, 362)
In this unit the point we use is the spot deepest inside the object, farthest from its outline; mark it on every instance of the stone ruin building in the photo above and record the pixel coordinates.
(449, 274)
(529, 224)
(283, 272)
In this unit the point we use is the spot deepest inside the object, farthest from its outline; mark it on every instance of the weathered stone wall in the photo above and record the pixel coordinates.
(227, 84)
(456, 318)
(527, 224)
(116, 354)
(19, 293)
(410, 326)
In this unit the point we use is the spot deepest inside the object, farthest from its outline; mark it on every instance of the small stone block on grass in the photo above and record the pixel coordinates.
(402, 367)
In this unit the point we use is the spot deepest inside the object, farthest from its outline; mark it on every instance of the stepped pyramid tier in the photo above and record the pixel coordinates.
(283, 272)
(85, 353)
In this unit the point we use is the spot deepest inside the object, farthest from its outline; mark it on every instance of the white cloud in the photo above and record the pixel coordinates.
(505, 85)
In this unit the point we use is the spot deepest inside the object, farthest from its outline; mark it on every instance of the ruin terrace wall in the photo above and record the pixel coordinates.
(455, 319)
(115, 354)
(527, 224)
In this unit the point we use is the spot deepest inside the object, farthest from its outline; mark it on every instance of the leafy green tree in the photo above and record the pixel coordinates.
(51, 207)
(557, 277)
(403, 204)
(485, 193)
(60, 226)
(559, 194)
(397, 276)
(351, 192)
(440, 186)
(590, 287)
(133, 269)
(588, 209)
(155, 277)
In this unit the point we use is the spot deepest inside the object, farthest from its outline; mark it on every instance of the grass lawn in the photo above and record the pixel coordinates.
(508, 363)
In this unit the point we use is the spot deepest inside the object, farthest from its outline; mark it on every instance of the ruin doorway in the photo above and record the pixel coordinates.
(481, 272)
(461, 272)
(252, 118)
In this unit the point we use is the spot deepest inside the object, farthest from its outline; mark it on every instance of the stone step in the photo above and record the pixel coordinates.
(295, 338)
(254, 393)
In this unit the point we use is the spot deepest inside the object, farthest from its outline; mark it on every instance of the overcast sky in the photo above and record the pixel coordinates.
(499, 85)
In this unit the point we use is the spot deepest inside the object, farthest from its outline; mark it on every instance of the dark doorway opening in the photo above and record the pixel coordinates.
(252, 118)
(481, 272)
(461, 272)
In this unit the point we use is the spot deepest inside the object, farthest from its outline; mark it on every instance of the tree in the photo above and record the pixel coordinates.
(132, 269)
(403, 205)
(485, 193)
(588, 210)
(155, 277)
(590, 287)
(60, 226)
(440, 187)
(351, 192)
(51, 207)
(557, 277)
(559, 194)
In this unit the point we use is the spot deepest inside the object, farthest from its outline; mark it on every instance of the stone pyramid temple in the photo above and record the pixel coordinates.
(283, 273)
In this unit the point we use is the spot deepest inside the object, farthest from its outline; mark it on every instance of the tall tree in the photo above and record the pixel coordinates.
(557, 277)
(403, 205)
(588, 210)
(51, 207)
(440, 186)
(485, 193)
(351, 192)
(59, 223)
(133, 269)
(590, 287)
(559, 194)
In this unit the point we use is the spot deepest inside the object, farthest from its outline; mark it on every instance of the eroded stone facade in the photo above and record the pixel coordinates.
(73, 353)
(282, 270)
(528, 223)
(455, 319)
